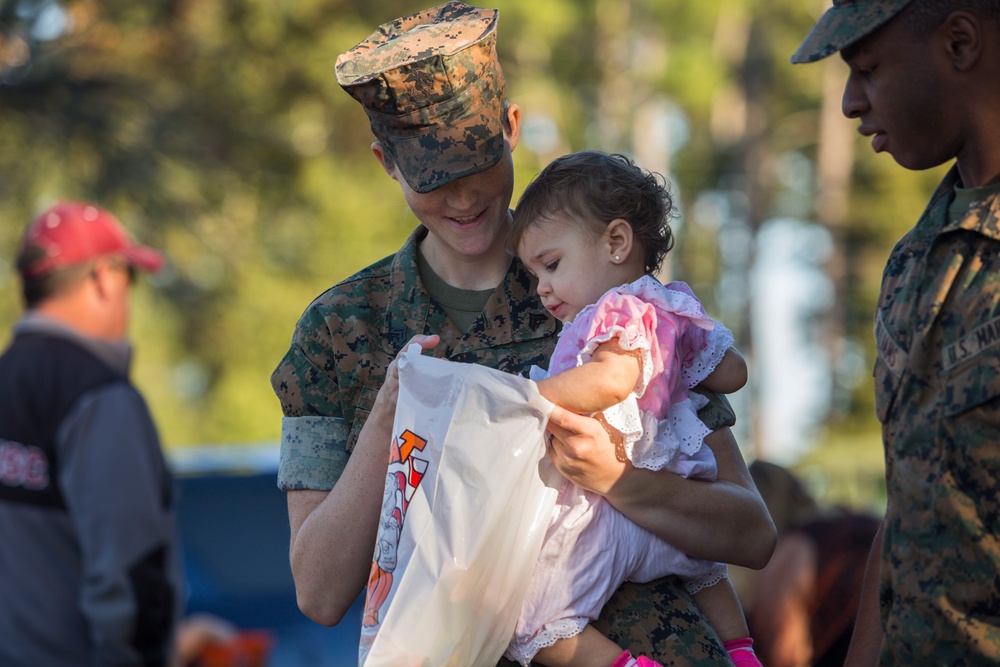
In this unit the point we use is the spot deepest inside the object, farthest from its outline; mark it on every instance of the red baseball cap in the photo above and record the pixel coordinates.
(72, 232)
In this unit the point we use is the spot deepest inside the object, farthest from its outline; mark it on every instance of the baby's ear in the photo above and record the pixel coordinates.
(620, 239)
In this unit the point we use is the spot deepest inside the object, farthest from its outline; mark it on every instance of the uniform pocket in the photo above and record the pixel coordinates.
(972, 383)
(886, 385)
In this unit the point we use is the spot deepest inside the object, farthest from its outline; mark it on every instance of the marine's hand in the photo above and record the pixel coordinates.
(425, 342)
(582, 450)
(389, 391)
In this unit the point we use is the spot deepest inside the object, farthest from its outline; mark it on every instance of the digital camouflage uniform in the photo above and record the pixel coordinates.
(937, 390)
(434, 94)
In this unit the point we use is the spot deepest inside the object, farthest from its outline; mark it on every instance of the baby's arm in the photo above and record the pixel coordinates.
(588, 649)
(729, 376)
(721, 607)
(605, 380)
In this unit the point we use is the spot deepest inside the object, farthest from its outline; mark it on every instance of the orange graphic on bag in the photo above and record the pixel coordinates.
(402, 478)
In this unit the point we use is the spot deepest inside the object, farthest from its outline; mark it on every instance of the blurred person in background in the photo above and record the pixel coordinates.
(89, 568)
(924, 83)
(802, 605)
(435, 96)
(787, 501)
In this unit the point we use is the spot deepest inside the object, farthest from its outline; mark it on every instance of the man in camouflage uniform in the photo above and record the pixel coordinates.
(434, 94)
(925, 83)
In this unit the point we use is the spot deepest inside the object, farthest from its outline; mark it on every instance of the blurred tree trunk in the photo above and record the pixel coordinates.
(834, 163)
(616, 94)
(754, 165)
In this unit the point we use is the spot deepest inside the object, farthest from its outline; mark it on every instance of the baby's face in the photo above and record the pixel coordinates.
(572, 261)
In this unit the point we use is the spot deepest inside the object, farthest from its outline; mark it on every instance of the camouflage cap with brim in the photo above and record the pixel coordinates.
(433, 90)
(843, 24)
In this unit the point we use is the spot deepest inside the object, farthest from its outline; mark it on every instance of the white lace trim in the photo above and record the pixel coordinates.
(714, 576)
(662, 441)
(707, 360)
(564, 628)
(672, 298)
(633, 424)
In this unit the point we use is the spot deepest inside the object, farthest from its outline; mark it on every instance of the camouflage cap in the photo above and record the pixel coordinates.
(843, 24)
(433, 90)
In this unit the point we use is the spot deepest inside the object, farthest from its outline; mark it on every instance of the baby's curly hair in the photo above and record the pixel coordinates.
(599, 187)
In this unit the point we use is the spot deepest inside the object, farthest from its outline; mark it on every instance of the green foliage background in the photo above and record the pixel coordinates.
(216, 131)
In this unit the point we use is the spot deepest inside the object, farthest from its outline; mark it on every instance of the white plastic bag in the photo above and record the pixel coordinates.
(468, 497)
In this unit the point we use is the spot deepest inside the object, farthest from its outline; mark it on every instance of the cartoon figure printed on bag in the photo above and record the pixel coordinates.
(401, 481)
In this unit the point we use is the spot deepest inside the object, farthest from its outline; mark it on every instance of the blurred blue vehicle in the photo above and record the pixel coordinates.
(234, 531)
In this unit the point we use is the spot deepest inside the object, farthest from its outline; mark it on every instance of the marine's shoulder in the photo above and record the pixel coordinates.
(359, 293)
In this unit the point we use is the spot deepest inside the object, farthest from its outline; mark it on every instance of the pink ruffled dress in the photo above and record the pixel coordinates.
(590, 548)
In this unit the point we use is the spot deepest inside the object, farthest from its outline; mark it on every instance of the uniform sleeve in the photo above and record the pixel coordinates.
(718, 413)
(314, 432)
(313, 454)
(119, 497)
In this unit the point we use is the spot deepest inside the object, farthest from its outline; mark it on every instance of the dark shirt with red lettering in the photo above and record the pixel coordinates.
(89, 568)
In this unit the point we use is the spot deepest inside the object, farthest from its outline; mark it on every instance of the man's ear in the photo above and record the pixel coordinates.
(620, 240)
(383, 159)
(964, 33)
(514, 120)
(99, 277)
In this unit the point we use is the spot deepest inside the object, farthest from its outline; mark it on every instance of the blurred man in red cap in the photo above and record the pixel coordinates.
(89, 568)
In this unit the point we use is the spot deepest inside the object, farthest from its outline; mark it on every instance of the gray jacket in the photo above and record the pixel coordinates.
(89, 562)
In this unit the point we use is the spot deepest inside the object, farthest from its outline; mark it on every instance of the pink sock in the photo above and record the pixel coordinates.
(741, 652)
(626, 660)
